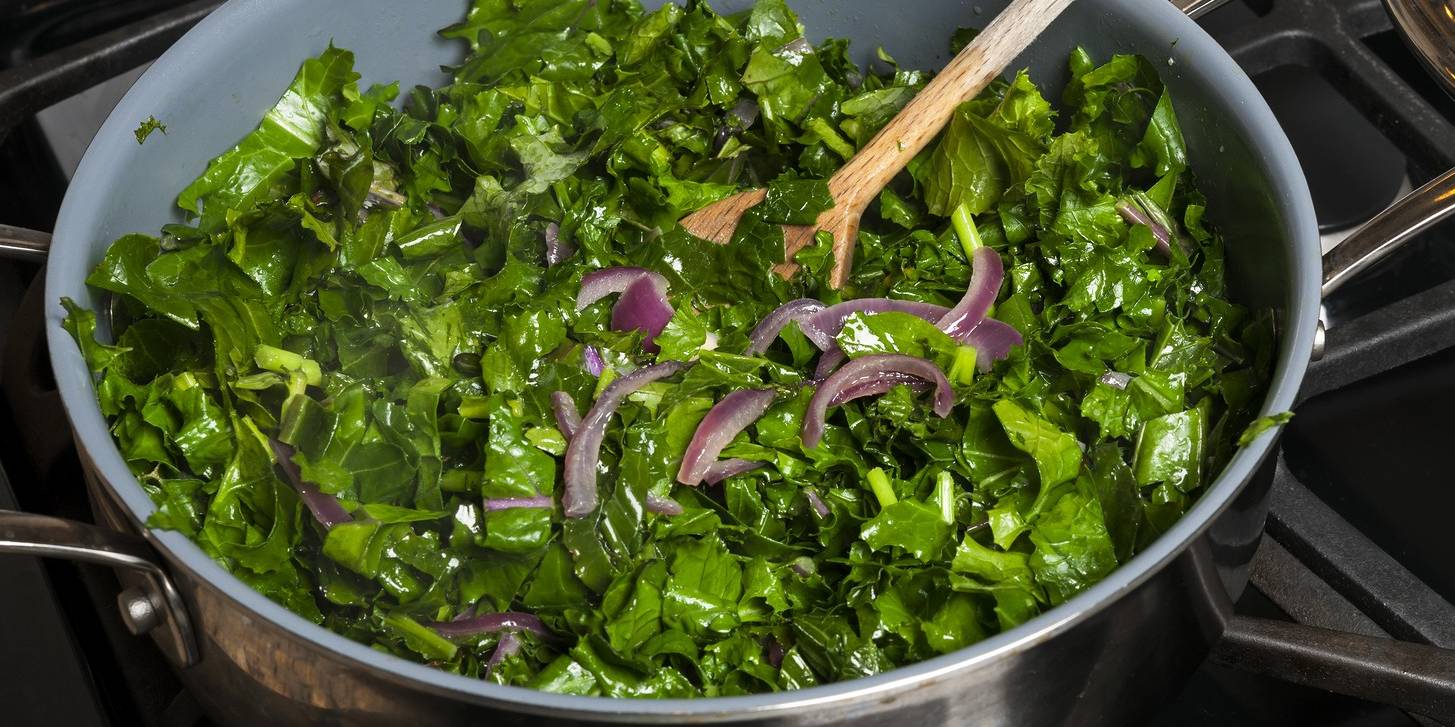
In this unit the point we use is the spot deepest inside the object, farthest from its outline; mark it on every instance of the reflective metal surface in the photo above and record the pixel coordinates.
(139, 611)
(18, 243)
(1416, 677)
(38, 535)
(1429, 27)
(1389, 230)
(1198, 8)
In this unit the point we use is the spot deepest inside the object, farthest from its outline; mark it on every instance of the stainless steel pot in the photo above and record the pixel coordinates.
(1105, 657)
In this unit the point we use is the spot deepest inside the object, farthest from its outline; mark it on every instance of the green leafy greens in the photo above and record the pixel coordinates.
(366, 282)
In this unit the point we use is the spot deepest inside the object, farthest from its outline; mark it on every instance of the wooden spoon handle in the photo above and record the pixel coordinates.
(859, 181)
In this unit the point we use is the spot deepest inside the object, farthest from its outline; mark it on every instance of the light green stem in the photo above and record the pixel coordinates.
(883, 491)
(277, 360)
(962, 370)
(964, 225)
(945, 493)
(969, 236)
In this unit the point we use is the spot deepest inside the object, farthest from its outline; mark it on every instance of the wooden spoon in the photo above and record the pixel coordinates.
(858, 182)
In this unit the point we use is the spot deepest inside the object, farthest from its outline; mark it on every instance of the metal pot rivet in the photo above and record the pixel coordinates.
(138, 611)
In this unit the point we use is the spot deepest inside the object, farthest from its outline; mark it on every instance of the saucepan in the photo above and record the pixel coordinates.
(1107, 656)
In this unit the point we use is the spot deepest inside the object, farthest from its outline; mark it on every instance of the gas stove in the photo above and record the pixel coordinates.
(1355, 540)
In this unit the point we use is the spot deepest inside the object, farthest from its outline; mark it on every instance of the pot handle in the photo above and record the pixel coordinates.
(1197, 8)
(1407, 217)
(1416, 678)
(143, 609)
(18, 243)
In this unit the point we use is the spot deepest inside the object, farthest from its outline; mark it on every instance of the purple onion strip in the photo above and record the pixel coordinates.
(829, 361)
(875, 387)
(773, 652)
(1135, 216)
(556, 250)
(496, 504)
(489, 623)
(745, 111)
(804, 566)
(987, 272)
(772, 324)
(825, 325)
(725, 468)
(643, 306)
(867, 369)
(601, 283)
(663, 505)
(324, 507)
(508, 646)
(593, 361)
(568, 418)
(814, 501)
(583, 454)
(992, 340)
(726, 420)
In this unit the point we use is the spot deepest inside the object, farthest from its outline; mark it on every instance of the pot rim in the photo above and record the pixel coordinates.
(1193, 49)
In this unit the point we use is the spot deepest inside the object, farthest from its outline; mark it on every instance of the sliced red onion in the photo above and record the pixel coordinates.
(593, 361)
(725, 468)
(773, 652)
(825, 325)
(568, 418)
(987, 272)
(643, 307)
(726, 419)
(489, 623)
(868, 369)
(814, 501)
(720, 138)
(663, 505)
(772, 324)
(601, 283)
(804, 566)
(992, 340)
(829, 361)
(517, 503)
(875, 387)
(1135, 216)
(507, 646)
(745, 111)
(556, 250)
(583, 454)
(1115, 379)
(325, 508)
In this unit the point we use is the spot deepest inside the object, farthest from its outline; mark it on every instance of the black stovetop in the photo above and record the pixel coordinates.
(1359, 495)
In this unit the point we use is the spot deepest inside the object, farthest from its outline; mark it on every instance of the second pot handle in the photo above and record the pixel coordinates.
(1407, 217)
(142, 609)
(18, 243)
(1416, 678)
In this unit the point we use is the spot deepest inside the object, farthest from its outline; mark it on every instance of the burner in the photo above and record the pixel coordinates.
(1353, 171)
(1391, 486)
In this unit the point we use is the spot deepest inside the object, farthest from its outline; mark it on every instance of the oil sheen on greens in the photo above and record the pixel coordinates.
(370, 286)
